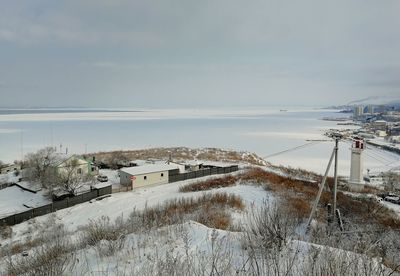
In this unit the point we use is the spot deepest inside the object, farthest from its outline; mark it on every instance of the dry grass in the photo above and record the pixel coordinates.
(215, 183)
(299, 195)
(5, 232)
(209, 210)
(299, 206)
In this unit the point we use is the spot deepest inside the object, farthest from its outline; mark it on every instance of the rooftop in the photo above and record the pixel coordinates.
(149, 169)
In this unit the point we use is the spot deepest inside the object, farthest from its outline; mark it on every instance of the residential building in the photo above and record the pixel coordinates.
(358, 111)
(78, 164)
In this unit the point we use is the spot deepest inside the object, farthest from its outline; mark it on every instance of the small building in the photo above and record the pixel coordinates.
(379, 125)
(147, 175)
(381, 133)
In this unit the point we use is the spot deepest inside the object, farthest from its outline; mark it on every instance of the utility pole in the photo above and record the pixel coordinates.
(321, 188)
(22, 145)
(337, 137)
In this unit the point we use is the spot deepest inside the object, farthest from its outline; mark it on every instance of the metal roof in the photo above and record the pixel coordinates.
(149, 169)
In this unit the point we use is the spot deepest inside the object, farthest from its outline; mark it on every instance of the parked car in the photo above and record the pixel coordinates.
(392, 199)
(102, 178)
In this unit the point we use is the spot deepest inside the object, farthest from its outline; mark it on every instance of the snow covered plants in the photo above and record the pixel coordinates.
(52, 257)
(208, 209)
(5, 231)
(102, 229)
(271, 226)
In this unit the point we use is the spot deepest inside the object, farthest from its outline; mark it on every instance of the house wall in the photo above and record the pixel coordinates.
(81, 164)
(151, 179)
(124, 178)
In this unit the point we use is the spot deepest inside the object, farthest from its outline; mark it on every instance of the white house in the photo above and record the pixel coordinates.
(147, 175)
(80, 165)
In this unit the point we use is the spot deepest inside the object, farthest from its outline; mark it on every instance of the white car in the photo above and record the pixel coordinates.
(102, 178)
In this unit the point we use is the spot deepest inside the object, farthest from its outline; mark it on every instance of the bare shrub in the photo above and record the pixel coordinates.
(50, 258)
(271, 226)
(215, 183)
(102, 229)
(299, 206)
(209, 210)
(214, 218)
(199, 209)
(5, 232)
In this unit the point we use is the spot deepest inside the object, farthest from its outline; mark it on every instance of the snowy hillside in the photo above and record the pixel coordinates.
(247, 223)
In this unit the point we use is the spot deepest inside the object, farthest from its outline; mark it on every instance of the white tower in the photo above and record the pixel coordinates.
(356, 170)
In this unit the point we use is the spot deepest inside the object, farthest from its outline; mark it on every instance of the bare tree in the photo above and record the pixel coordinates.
(117, 159)
(1, 164)
(70, 177)
(391, 180)
(41, 166)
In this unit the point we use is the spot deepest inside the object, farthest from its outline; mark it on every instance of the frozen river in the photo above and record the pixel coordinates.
(263, 131)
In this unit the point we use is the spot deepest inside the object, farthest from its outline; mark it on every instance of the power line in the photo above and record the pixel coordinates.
(376, 156)
(291, 149)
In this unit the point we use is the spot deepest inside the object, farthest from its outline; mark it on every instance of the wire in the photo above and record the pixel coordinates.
(377, 159)
(374, 155)
(292, 149)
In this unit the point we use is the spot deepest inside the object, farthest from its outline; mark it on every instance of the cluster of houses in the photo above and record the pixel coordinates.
(139, 173)
(21, 200)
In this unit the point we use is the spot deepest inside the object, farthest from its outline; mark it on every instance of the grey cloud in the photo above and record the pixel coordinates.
(180, 51)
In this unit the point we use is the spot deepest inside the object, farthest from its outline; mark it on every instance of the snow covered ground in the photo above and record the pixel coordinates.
(190, 244)
(12, 200)
(124, 203)
(9, 178)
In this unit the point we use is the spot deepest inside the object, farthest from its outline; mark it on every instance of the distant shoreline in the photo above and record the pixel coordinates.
(22, 111)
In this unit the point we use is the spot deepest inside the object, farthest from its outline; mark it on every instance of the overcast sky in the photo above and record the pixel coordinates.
(127, 53)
